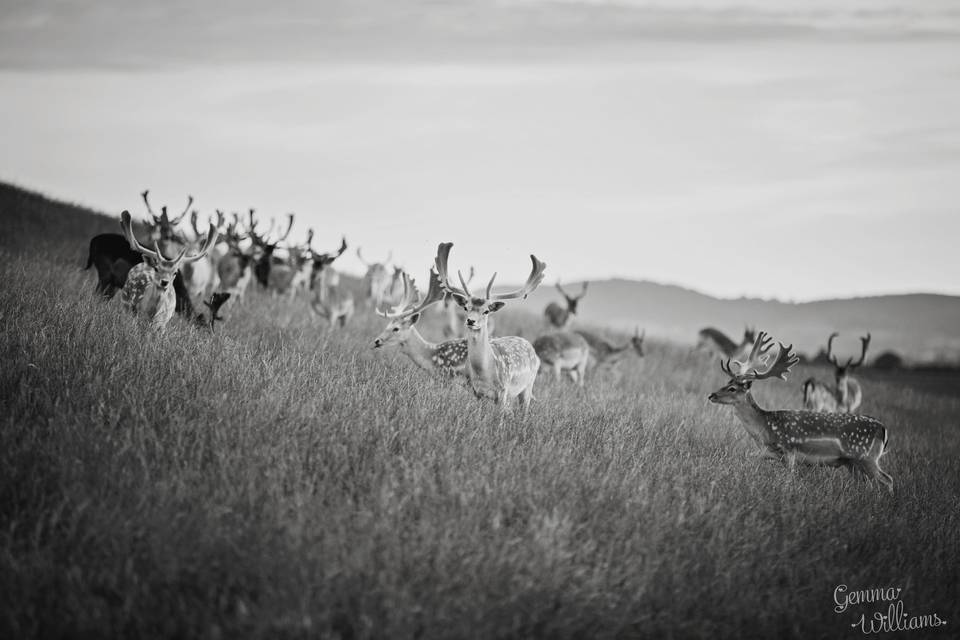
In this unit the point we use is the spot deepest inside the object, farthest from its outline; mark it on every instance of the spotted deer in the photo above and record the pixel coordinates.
(605, 354)
(448, 357)
(559, 316)
(846, 395)
(497, 368)
(330, 301)
(563, 351)
(148, 289)
(854, 441)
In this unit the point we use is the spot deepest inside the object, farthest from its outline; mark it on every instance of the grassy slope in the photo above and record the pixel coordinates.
(279, 480)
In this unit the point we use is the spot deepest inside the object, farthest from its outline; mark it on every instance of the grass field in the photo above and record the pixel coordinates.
(278, 480)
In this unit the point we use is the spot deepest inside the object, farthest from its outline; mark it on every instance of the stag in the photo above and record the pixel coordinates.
(559, 316)
(809, 437)
(330, 301)
(148, 289)
(377, 280)
(449, 357)
(846, 395)
(498, 368)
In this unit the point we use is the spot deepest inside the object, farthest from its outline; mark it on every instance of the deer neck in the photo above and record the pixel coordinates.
(418, 349)
(480, 351)
(755, 419)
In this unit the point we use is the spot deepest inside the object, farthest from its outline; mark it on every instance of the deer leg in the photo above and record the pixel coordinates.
(872, 469)
(556, 371)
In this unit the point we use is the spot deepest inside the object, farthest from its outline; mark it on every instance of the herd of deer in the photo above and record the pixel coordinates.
(222, 261)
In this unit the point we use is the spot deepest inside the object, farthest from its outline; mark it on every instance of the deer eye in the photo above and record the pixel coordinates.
(486, 311)
(395, 329)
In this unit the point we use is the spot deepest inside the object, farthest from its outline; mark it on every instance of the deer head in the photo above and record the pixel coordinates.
(164, 269)
(479, 308)
(163, 228)
(744, 374)
(406, 313)
(322, 260)
(572, 301)
(841, 371)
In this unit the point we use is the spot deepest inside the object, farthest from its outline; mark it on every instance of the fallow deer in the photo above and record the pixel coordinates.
(846, 395)
(809, 437)
(148, 289)
(563, 351)
(717, 342)
(559, 316)
(271, 271)
(449, 357)
(377, 281)
(497, 368)
(330, 300)
(604, 354)
(200, 276)
(235, 268)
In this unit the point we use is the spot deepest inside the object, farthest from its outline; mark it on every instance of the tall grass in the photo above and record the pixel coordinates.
(276, 479)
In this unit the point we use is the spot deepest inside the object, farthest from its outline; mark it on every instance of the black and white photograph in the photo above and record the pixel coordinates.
(479, 319)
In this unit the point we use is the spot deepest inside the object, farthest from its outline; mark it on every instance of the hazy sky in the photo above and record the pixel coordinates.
(794, 149)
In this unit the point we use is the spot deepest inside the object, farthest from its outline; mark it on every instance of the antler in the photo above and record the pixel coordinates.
(194, 215)
(126, 225)
(830, 357)
(289, 226)
(753, 369)
(360, 256)
(408, 299)
(209, 242)
(533, 281)
(146, 200)
(863, 354)
(440, 263)
(186, 209)
(435, 294)
(309, 237)
(560, 289)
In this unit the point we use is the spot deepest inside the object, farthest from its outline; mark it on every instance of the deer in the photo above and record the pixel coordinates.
(447, 358)
(717, 342)
(563, 351)
(561, 317)
(846, 395)
(497, 368)
(605, 354)
(113, 258)
(377, 280)
(270, 271)
(235, 268)
(330, 301)
(148, 289)
(201, 277)
(813, 438)
(163, 229)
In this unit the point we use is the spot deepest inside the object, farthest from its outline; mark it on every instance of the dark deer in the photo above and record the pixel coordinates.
(561, 317)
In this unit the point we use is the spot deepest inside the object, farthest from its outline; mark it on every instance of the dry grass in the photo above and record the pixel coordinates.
(279, 480)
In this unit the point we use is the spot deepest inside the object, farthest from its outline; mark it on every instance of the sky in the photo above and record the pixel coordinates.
(792, 150)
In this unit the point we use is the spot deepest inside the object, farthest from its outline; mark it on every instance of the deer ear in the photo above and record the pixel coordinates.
(496, 306)
(413, 319)
(460, 300)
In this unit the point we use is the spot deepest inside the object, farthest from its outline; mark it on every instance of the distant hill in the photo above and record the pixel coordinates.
(920, 327)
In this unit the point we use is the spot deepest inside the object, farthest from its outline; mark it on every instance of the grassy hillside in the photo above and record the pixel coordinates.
(279, 480)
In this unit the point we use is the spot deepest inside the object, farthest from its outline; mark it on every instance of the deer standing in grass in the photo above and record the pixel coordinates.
(561, 317)
(605, 354)
(449, 357)
(809, 437)
(330, 300)
(377, 280)
(563, 351)
(148, 290)
(497, 368)
(846, 395)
